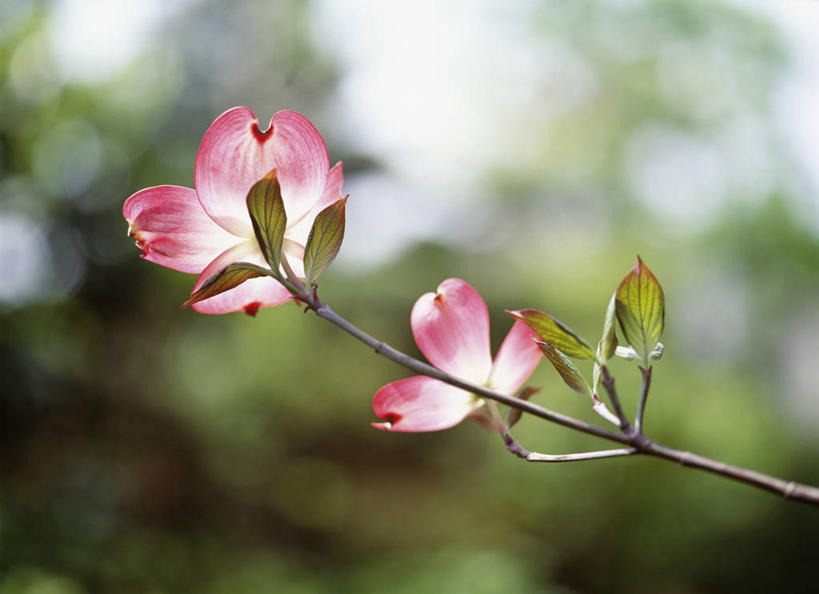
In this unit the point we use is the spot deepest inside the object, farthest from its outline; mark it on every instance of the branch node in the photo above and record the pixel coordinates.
(789, 490)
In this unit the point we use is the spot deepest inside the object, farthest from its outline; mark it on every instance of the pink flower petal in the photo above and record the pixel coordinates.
(302, 162)
(516, 360)
(421, 404)
(299, 231)
(332, 189)
(250, 295)
(235, 154)
(173, 230)
(451, 327)
(294, 252)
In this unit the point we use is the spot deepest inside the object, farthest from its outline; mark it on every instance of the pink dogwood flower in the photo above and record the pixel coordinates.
(203, 230)
(451, 327)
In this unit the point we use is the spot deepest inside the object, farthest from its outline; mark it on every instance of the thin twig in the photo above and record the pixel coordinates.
(518, 450)
(641, 406)
(788, 489)
(581, 456)
(600, 408)
(608, 384)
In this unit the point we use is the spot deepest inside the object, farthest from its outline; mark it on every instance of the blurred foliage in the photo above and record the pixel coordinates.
(149, 449)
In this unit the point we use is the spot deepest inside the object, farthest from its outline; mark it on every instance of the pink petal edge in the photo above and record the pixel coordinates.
(301, 160)
(451, 327)
(516, 359)
(299, 231)
(421, 404)
(232, 157)
(173, 230)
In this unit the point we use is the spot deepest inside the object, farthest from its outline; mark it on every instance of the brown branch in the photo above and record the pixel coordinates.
(638, 442)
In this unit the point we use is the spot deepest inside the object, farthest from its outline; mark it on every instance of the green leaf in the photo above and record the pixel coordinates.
(513, 414)
(266, 208)
(608, 343)
(640, 307)
(565, 368)
(229, 277)
(555, 333)
(597, 373)
(324, 240)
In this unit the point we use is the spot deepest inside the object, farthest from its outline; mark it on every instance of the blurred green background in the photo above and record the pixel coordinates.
(530, 148)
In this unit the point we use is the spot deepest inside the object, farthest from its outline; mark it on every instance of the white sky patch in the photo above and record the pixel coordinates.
(444, 92)
(796, 107)
(440, 90)
(677, 175)
(383, 216)
(93, 39)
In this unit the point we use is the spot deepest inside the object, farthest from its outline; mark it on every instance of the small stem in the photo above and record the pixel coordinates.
(513, 446)
(518, 450)
(581, 456)
(291, 276)
(641, 406)
(608, 384)
(600, 408)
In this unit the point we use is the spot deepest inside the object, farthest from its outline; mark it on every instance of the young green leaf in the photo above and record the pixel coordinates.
(565, 368)
(266, 208)
(555, 333)
(513, 414)
(608, 343)
(597, 373)
(229, 277)
(324, 240)
(640, 307)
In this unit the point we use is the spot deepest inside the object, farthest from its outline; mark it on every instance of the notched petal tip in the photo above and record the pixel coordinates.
(261, 135)
(134, 234)
(141, 242)
(389, 421)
